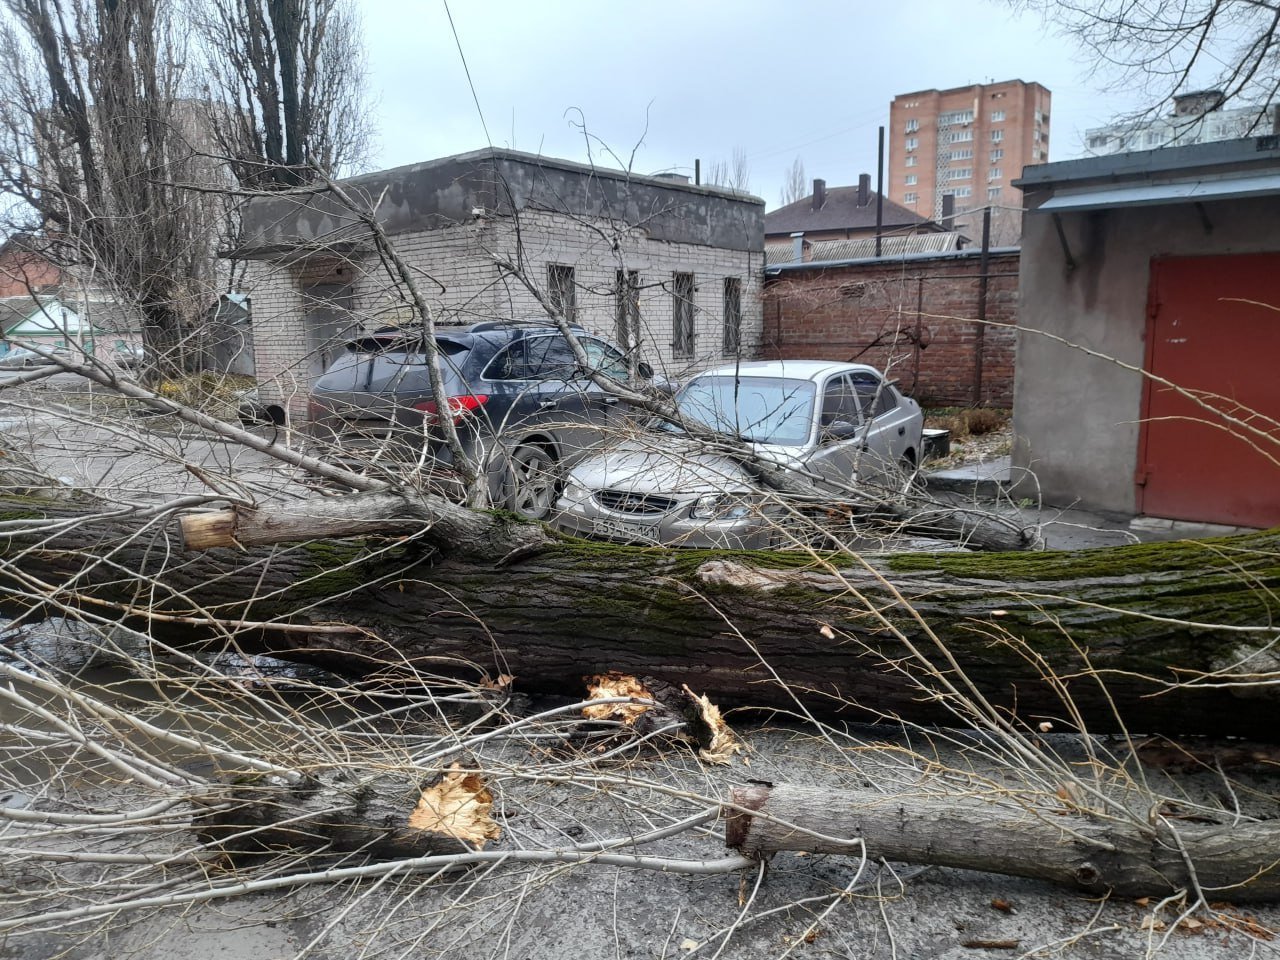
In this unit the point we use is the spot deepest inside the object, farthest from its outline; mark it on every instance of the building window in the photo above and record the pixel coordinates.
(959, 136)
(997, 155)
(959, 173)
(561, 290)
(913, 142)
(912, 161)
(995, 173)
(997, 116)
(912, 180)
(682, 290)
(993, 193)
(965, 154)
(964, 192)
(910, 198)
(997, 136)
(732, 315)
(913, 126)
(626, 308)
(955, 116)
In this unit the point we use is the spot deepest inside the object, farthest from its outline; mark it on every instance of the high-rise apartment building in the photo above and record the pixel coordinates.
(969, 143)
(1198, 117)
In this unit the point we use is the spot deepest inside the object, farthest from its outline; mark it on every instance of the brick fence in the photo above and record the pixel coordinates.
(914, 318)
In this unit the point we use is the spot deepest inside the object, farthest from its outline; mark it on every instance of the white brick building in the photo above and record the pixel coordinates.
(687, 259)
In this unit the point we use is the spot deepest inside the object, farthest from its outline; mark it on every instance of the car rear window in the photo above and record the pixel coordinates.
(371, 360)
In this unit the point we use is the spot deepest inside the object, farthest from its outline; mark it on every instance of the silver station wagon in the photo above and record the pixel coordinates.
(839, 424)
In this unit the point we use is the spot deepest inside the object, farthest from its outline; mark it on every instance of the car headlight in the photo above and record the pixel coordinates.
(720, 506)
(575, 492)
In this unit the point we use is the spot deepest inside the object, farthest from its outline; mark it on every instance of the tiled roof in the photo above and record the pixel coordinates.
(839, 212)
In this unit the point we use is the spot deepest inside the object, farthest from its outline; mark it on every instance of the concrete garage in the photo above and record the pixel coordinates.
(1146, 379)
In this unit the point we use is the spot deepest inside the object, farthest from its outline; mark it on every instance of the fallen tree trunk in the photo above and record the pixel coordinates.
(1169, 637)
(1066, 846)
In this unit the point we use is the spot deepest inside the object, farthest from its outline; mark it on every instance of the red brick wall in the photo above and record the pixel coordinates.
(914, 319)
(23, 273)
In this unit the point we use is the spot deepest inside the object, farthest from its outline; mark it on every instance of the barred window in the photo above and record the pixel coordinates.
(626, 308)
(562, 291)
(732, 315)
(682, 290)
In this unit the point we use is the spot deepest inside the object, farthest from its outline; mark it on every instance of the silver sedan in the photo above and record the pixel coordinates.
(835, 423)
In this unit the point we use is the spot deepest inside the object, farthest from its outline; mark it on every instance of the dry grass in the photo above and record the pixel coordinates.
(967, 421)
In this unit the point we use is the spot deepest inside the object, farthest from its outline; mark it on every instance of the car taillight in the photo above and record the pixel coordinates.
(315, 410)
(459, 408)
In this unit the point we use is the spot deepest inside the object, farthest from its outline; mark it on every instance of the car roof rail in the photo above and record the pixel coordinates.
(486, 326)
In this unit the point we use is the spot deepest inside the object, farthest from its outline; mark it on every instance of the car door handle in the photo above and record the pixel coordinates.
(548, 404)
(610, 401)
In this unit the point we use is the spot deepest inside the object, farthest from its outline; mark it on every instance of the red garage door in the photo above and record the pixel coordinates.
(1213, 330)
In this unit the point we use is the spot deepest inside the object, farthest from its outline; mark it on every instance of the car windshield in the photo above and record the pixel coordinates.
(771, 410)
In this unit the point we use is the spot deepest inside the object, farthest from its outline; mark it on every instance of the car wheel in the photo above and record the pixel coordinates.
(532, 482)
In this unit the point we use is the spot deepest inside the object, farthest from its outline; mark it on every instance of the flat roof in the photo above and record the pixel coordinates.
(1148, 194)
(1219, 158)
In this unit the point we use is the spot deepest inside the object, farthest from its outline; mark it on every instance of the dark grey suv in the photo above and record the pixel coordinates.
(521, 402)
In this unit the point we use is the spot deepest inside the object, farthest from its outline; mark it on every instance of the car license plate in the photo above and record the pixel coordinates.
(628, 530)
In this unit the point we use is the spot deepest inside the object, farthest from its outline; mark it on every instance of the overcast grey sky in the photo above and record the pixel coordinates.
(678, 80)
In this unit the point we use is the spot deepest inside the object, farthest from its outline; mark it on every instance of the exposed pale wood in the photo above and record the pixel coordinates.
(1237, 863)
(204, 531)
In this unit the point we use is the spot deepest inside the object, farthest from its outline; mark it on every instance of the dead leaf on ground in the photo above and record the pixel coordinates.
(1226, 916)
(615, 684)
(1004, 906)
(457, 805)
(723, 742)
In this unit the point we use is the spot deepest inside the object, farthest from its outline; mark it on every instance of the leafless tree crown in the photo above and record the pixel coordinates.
(794, 186)
(97, 146)
(1168, 48)
(286, 78)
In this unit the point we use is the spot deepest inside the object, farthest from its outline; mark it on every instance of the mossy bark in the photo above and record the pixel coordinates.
(1170, 637)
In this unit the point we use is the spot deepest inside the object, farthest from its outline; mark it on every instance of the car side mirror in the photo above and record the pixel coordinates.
(645, 370)
(839, 430)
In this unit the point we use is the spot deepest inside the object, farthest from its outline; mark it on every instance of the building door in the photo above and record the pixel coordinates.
(328, 323)
(1210, 451)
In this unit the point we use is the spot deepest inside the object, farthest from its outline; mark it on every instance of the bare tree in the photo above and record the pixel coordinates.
(734, 173)
(795, 187)
(1231, 45)
(286, 80)
(100, 147)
